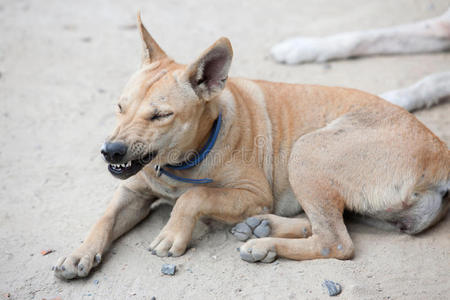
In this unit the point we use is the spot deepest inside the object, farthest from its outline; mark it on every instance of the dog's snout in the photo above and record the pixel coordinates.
(114, 152)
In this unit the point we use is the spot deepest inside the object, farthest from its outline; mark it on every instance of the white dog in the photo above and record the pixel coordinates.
(431, 35)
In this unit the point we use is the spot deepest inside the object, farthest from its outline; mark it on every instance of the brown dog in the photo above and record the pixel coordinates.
(235, 148)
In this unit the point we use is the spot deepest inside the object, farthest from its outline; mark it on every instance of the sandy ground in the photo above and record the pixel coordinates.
(62, 67)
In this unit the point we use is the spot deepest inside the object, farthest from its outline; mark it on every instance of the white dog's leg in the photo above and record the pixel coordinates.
(431, 35)
(424, 93)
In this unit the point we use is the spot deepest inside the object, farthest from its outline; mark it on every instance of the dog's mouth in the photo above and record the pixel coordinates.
(130, 168)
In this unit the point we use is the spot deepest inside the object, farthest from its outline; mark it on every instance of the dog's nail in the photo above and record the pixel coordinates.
(63, 268)
(53, 268)
(169, 254)
(81, 267)
(154, 252)
(98, 258)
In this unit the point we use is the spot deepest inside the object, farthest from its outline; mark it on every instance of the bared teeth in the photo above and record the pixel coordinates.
(121, 166)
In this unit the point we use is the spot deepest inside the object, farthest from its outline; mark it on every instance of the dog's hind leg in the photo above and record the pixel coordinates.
(324, 206)
(329, 238)
(426, 92)
(431, 35)
(126, 210)
(272, 225)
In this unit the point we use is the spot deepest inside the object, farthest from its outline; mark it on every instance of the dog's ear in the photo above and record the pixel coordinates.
(151, 50)
(209, 73)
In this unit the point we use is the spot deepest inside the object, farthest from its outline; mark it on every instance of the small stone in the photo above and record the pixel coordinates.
(47, 251)
(333, 288)
(96, 281)
(168, 269)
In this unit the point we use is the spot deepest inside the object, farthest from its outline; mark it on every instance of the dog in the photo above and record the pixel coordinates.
(256, 153)
(428, 36)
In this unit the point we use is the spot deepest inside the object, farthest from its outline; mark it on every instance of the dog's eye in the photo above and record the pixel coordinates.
(160, 115)
(119, 108)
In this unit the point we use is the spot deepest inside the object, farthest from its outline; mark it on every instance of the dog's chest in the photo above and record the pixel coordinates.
(163, 188)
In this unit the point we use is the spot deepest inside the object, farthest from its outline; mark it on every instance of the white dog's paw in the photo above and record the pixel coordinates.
(261, 250)
(401, 98)
(252, 226)
(300, 50)
(78, 264)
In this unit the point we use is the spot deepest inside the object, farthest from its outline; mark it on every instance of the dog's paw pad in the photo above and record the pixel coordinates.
(251, 226)
(242, 231)
(253, 222)
(262, 230)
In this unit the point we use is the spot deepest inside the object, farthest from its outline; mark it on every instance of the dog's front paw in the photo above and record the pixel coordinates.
(169, 243)
(78, 264)
(299, 50)
(261, 250)
(253, 225)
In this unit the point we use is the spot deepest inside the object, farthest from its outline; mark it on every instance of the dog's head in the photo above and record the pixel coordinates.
(165, 108)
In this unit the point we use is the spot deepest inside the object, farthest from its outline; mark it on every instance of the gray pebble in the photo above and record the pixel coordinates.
(252, 222)
(332, 287)
(96, 281)
(168, 269)
(262, 230)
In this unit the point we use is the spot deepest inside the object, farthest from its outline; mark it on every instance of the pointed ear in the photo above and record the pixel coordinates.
(208, 74)
(151, 50)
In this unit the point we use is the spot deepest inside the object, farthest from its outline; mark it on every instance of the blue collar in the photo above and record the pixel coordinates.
(196, 160)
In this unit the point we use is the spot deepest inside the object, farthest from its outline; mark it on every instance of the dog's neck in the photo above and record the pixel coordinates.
(195, 159)
(205, 129)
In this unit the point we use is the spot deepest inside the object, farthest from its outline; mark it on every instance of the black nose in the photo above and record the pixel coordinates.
(114, 152)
